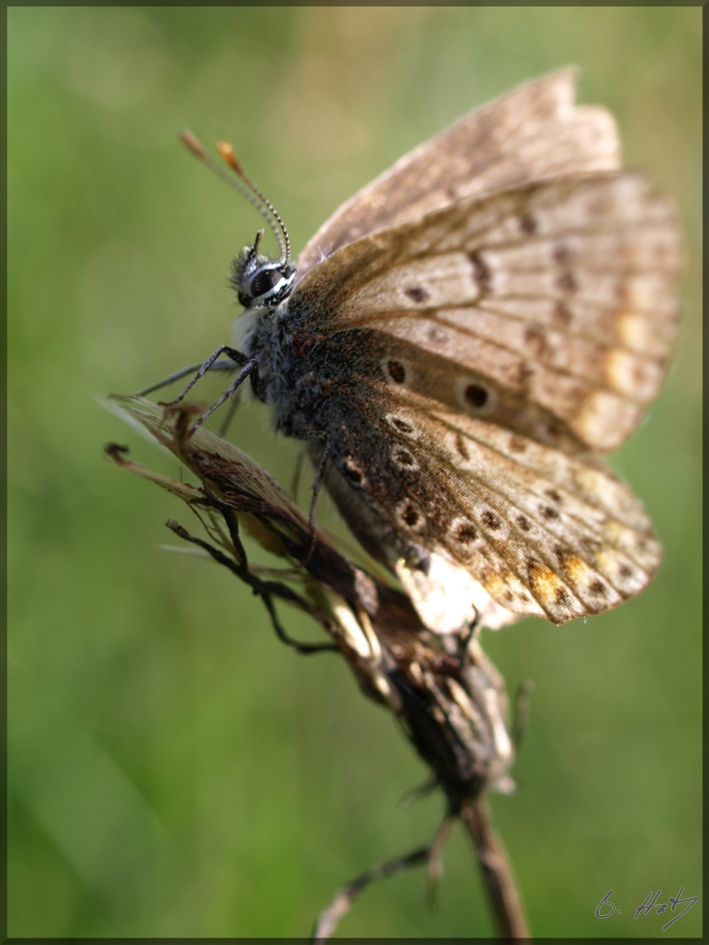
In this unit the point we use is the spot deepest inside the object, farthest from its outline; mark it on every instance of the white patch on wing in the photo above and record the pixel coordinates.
(448, 598)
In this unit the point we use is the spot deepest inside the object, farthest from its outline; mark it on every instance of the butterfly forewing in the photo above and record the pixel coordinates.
(555, 300)
(533, 133)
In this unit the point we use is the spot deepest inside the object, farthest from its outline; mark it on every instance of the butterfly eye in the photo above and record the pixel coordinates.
(263, 283)
(270, 284)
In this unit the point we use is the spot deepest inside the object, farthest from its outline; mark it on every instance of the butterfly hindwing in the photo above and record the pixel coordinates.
(541, 531)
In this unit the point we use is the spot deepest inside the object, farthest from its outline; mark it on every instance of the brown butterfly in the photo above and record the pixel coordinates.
(461, 342)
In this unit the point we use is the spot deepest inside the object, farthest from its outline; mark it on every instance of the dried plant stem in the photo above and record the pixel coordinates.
(449, 698)
(503, 896)
(328, 919)
(500, 883)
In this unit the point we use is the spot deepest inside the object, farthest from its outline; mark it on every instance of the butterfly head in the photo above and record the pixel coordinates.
(260, 281)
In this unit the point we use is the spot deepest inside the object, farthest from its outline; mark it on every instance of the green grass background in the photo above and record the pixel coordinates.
(173, 769)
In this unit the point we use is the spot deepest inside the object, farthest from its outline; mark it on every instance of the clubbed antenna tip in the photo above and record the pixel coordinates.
(250, 190)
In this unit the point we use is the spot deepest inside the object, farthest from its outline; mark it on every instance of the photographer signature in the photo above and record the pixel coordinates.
(650, 903)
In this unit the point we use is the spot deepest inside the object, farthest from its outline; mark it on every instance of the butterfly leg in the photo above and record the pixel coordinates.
(237, 357)
(183, 372)
(250, 368)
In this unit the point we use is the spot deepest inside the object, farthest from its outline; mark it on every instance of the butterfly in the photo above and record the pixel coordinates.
(462, 342)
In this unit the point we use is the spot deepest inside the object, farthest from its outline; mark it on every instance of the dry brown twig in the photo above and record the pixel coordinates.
(448, 697)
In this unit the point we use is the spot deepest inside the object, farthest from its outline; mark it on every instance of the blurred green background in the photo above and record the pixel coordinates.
(173, 769)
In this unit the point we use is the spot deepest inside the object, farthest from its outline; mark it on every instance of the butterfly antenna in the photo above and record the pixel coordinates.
(250, 192)
(227, 152)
